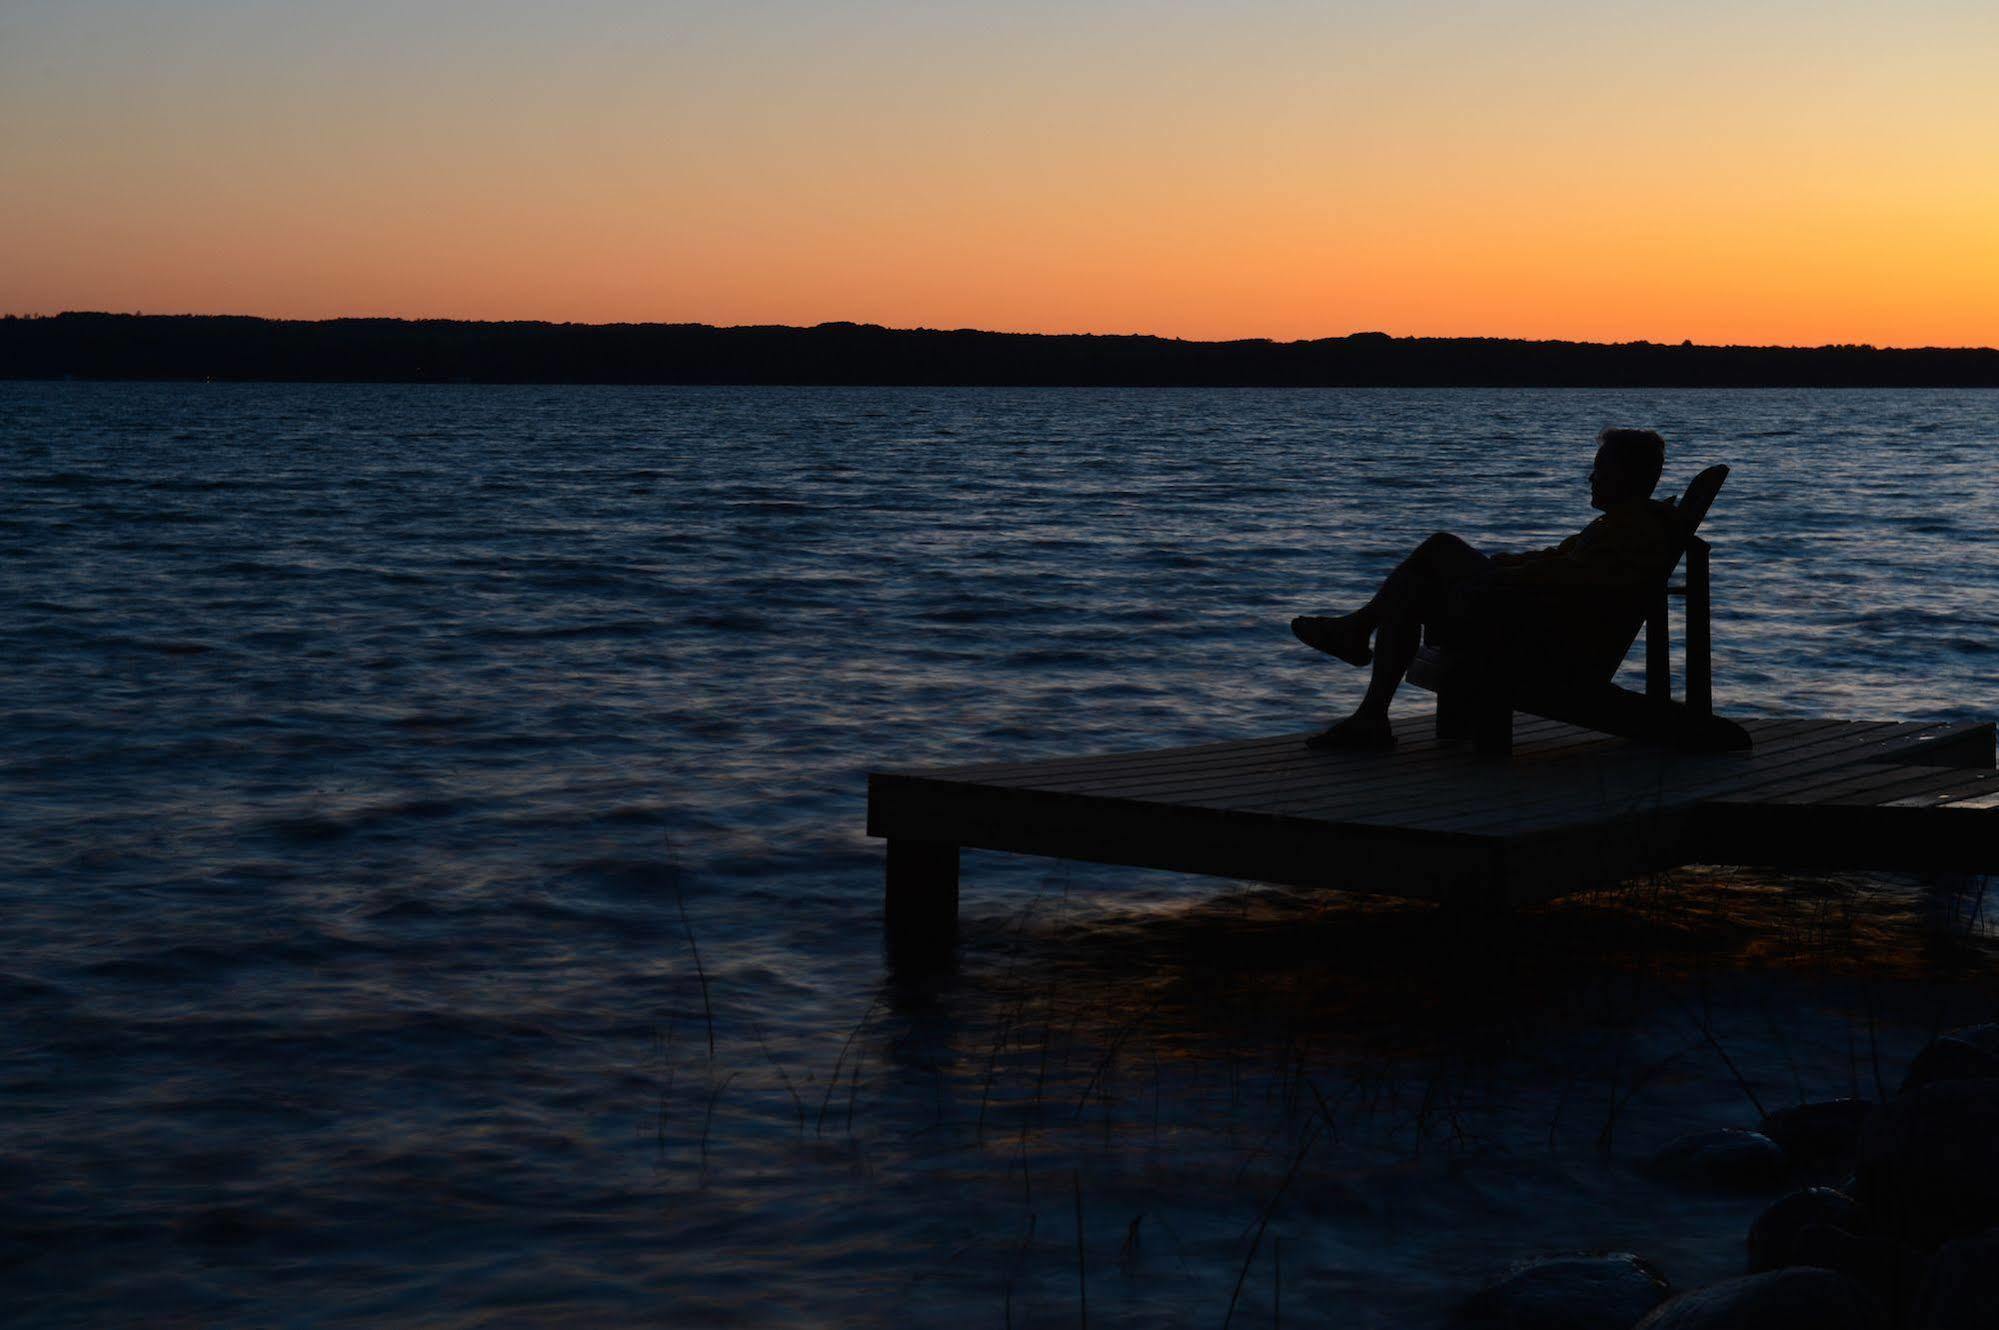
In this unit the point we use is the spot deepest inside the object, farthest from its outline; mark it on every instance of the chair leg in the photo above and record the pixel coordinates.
(1658, 651)
(1700, 647)
(1453, 718)
(1492, 728)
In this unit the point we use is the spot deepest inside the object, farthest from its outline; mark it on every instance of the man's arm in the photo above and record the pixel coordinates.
(1609, 552)
(1526, 557)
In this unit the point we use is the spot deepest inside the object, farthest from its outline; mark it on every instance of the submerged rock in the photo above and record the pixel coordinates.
(1819, 1299)
(1731, 1158)
(1962, 1289)
(1586, 1291)
(1781, 1234)
(1928, 1169)
(1968, 1054)
(1819, 1135)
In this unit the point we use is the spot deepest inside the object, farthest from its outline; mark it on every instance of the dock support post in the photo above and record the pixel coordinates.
(1700, 646)
(920, 905)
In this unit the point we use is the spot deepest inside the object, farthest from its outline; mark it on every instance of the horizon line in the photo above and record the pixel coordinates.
(1361, 334)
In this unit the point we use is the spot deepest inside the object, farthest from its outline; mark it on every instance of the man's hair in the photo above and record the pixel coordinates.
(1639, 453)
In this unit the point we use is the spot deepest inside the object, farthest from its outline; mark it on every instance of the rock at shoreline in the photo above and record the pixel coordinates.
(1963, 1286)
(1969, 1054)
(1782, 1235)
(1819, 1299)
(1587, 1291)
(1821, 1135)
(1928, 1169)
(1731, 1158)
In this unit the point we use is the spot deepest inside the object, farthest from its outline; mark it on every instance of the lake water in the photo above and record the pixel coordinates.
(377, 757)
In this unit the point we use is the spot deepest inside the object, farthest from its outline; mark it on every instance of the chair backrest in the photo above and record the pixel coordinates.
(1699, 497)
(1595, 652)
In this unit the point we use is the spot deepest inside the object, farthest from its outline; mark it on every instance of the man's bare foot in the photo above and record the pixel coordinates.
(1358, 734)
(1344, 637)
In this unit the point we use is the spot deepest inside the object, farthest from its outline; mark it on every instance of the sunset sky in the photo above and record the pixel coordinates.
(1729, 172)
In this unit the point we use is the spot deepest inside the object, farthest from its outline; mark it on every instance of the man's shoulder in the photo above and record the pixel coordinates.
(1665, 515)
(1657, 513)
(1645, 523)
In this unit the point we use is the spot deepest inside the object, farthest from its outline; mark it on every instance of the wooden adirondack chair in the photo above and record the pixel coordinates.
(1553, 651)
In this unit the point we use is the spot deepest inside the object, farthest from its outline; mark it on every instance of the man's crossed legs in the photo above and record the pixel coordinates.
(1418, 592)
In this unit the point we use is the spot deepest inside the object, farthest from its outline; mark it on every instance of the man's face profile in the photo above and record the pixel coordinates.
(1606, 482)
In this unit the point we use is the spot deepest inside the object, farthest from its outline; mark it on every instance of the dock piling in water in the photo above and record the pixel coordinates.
(920, 900)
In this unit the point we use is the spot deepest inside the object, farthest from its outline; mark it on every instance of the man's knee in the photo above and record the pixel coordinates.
(1438, 552)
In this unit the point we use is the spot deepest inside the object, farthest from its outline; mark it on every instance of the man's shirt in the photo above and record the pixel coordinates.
(1627, 547)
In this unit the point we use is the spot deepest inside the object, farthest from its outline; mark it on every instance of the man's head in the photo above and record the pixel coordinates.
(1628, 462)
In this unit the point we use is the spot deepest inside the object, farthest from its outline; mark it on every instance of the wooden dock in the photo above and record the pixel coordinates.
(1572, 809)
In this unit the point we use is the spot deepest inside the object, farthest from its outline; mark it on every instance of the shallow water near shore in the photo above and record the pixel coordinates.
(437, 891)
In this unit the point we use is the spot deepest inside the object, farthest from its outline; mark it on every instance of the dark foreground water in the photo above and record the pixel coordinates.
(375, 758)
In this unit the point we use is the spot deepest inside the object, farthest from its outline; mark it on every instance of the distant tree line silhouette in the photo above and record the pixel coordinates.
(137, 346)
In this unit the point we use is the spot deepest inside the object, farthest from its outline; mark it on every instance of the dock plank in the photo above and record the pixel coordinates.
(1883, 783)
(1577, 745)
(1318, 771)
(1977, 789)
(1280, 751)
(1612, 785)
(1689, 780)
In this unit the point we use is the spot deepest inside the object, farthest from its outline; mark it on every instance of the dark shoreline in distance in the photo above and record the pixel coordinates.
(243, 349)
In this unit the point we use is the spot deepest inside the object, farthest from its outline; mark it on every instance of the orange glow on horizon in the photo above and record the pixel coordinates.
(1779, 174)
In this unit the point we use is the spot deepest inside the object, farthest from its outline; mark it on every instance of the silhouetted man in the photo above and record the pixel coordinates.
(1444, 577)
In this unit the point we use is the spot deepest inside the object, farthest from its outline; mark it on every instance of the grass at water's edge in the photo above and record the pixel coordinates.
(1189, 1073)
